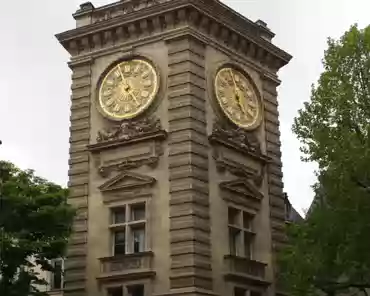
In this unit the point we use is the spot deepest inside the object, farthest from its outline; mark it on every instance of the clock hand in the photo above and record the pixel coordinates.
(120, 72)
(239, 96)
(134, 97)
(237, 93)
(124, 80)
(232, 76)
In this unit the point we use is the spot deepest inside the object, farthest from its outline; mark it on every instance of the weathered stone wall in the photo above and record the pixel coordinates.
(75, 264)
(188, 165)
(274, 169)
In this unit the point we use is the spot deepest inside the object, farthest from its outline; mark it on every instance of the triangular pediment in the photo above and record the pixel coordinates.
(242, 187)
(127, 181)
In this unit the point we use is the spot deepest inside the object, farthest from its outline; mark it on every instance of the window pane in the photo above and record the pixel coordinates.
(247, 246)
(138, 239)
(233, 241)
(247, 220)
(57, 275)
(138, 212)
(117, 291)
(120, 237)
(119, 243)
(233, 215)
(119, 215)
(239, 292)
(136, 290)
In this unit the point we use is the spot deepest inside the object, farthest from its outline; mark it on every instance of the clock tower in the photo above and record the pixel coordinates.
(175, 162)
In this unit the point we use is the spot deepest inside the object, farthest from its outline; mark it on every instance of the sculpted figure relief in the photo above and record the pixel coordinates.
(129, 130)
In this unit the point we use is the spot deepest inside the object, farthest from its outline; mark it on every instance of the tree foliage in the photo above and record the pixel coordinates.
(35, 223)
(330, 251)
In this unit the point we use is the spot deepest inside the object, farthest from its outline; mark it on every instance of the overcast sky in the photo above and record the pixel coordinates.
(35, 79)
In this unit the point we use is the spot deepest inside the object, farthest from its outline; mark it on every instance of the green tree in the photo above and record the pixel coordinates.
(35, 223)
(330, 251)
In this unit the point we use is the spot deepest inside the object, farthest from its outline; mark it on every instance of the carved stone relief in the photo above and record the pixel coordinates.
(128, 145)
(236, 136)
(246, 159)
(129, 130)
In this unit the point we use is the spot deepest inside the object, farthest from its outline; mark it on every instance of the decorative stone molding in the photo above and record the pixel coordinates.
(116, 23)
(238, 169)
(242, 187)
(114, 10)
(127, 181)
(130, 266)
(128, 132)
(128, 164)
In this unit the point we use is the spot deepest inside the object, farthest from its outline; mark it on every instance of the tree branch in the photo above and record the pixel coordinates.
(334, 286)
(364, 291)
(361, 184)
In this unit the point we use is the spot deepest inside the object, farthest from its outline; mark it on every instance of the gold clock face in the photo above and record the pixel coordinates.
(237, 98)
(128, 89)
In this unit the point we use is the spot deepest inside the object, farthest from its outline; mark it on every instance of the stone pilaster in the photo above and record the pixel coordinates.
(188, 166)
(75, 265)
(274, 169)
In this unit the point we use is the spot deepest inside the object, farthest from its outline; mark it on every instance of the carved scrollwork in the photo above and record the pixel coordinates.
(128, 130)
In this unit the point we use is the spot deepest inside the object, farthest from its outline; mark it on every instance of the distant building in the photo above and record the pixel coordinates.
(291, 215)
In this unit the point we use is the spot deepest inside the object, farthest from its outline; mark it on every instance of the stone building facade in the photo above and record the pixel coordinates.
(177, 200)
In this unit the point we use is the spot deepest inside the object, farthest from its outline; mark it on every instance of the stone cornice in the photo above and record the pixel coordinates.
(212, 18)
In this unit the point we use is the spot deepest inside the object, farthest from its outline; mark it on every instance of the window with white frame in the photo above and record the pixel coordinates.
(131, 290)
(128, 227)
(56, 277)
(244, 292)
(240, 292)
(115, 291)
(135, 290)
(240, 232)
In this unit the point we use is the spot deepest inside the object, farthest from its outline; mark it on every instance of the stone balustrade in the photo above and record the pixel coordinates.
(244, 267)
(130, 265)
